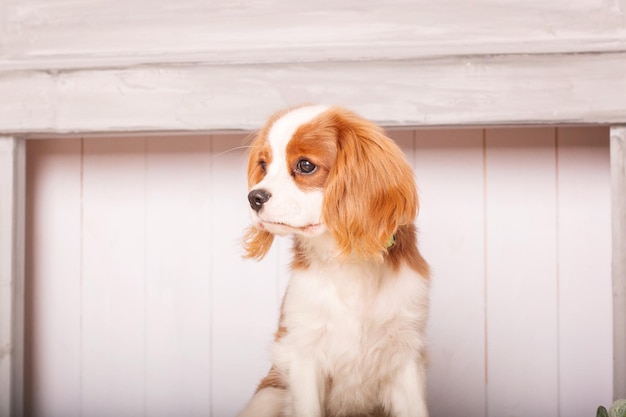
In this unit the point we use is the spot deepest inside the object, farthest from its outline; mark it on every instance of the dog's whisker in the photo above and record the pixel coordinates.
(235, 148)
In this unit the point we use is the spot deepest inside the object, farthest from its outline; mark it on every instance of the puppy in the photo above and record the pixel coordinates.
(350, 341)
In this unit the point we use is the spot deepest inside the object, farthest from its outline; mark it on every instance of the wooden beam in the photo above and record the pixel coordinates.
(79, 34)
(12, 214)
(520, 89)
(618, 190)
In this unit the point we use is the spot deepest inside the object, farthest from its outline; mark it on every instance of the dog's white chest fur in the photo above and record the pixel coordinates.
(353, 326)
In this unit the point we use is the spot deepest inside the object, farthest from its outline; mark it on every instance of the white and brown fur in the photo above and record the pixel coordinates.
(350, 341)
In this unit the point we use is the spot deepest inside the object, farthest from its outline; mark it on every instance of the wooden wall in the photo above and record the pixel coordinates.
(138, 302)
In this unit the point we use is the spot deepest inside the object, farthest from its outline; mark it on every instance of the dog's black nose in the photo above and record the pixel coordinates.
(257, 198)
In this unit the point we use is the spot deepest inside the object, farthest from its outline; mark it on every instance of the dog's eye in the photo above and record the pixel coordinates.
(263, 166)
(305, 167)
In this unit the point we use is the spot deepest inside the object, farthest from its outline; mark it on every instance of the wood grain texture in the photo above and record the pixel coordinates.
(618, 197)
(487, 90)
(65, 34)
(12, 218)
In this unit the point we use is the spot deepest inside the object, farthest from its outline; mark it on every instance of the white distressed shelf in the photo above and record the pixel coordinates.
(516, 89)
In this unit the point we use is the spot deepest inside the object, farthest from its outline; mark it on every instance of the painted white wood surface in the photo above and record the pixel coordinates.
(582, 179)
(62, 34)
(618, 220)
(96, 65)
(521, 278)
(54, 374)
(155, 311)
(113, 277)
(449, 168)
(583, 88)
(178, 242)
(12, 218)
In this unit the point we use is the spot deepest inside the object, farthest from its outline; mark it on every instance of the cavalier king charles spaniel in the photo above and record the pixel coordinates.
(350, 340)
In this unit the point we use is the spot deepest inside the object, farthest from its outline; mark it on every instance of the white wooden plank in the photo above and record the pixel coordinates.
(244, 293)
(69, 34)
(474, 90)
(585, 315)
(521, 272)
(618, 210)
(53, 339)
(177, 266)
(449, 168)
(12, 218)
(113, 332)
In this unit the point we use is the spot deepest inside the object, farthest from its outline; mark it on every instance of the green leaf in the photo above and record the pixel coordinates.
(602, 412)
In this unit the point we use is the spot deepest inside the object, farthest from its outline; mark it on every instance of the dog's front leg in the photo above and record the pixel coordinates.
(408, 391)
(305, 385)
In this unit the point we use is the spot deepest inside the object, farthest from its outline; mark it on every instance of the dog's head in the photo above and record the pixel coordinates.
(315, 169)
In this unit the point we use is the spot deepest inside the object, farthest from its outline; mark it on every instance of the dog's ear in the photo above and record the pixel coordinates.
(256, 243)
(370, 191)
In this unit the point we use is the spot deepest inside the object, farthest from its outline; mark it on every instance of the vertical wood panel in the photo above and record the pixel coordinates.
(521, 272)
(54, 278)
(113, 331)
(584, 239)
(12, 223)
(618, 224)
(449, 167)
(244, 292)
(178, 305)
